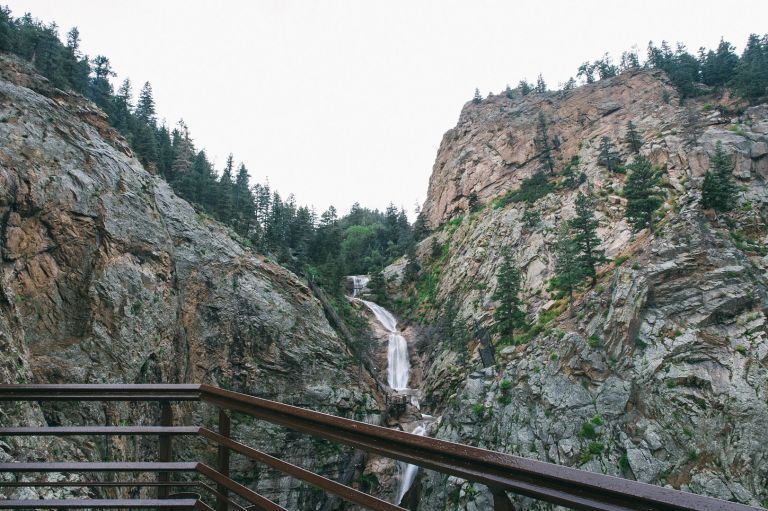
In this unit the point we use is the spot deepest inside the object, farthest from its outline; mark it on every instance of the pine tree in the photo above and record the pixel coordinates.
(509, 315)
(413, 267)
(642, 194)
(541, 86)
(751, 73)
(242, 204)
(226, 191)
(568, 271)
(477, 98)
(633, 139)
(145, 108)
(525, 87)
(542, 144)
(719, 190)
(608, 156)
(692, 126)
(378, 287)
(584, 227)
(508, 92)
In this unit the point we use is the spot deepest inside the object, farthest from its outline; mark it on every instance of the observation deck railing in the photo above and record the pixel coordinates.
(214, 489)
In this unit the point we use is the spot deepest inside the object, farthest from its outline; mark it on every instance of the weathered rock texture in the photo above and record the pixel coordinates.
(107, 276)
(660, 372)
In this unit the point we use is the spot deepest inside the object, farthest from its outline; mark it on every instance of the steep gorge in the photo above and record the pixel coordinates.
(108, 277)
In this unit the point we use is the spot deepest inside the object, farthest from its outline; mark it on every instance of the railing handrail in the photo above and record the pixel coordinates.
(100, 392)
(561, 485)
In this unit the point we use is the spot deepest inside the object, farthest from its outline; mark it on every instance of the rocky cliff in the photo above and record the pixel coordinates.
(107, 276)
(659, 372)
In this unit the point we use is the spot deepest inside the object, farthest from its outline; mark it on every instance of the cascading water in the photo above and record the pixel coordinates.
(358, 283)
(398, 363)
(398, 373)
(407, 471)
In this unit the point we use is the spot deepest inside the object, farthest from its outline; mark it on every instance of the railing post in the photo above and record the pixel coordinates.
(223, 461)
(164, 451)
(501, 501)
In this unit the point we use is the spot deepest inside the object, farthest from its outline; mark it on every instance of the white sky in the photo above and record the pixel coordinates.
(344, 101)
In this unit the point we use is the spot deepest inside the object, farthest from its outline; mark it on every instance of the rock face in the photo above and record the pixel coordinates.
(659, 373)
(107, 276)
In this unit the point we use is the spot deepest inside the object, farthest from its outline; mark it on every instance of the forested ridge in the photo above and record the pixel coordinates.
(322, 246)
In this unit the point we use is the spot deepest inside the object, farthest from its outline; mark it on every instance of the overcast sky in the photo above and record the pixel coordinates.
(344, 101)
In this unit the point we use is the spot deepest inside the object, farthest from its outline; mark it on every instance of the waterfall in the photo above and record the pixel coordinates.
(398, 363)
(398, 372)
(358, 283)
(407, 471)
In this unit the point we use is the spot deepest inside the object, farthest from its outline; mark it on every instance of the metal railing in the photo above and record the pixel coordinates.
(502, 473)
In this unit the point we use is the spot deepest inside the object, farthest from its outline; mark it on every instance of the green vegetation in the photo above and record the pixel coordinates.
(324, 248)
(531, 190)
(584, 228)
(543, 145)
(477, 98)
(719, 189)
(620, 260)
(632, 138)
(608, 156)
(642, 193)
(509, 314)
(568, 274)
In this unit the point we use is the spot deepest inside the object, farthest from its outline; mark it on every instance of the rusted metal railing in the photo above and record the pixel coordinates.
(502, 473)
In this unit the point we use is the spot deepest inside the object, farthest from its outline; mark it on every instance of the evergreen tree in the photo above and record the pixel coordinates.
(751, 73)
(477, 98)
(719, 190)
(525, 87)
(378, 287)
(541, 86)
(584, 227)
(608, 156)
(508, 92)
(100, 90)
(717, 67)
(586, 71)
(242, 203)
(568, 271)
(510, 314)
(542, 144)
(145, 108)
(692, 127)
(473, 202)
(413, 267)
(629, 61)
(633, 139)
(642, 194)
(225, 191)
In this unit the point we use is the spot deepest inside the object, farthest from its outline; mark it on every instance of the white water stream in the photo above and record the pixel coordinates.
(398, 373)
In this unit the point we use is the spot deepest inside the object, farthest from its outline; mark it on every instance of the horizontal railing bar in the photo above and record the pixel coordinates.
(567, 486)
(261, 503)
(99, 504)
(100, 430)
(100, 392)
(99, 467)
(75, 484)
(347, 493)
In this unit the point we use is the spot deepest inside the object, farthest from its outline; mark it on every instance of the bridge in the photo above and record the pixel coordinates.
(209, 488)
